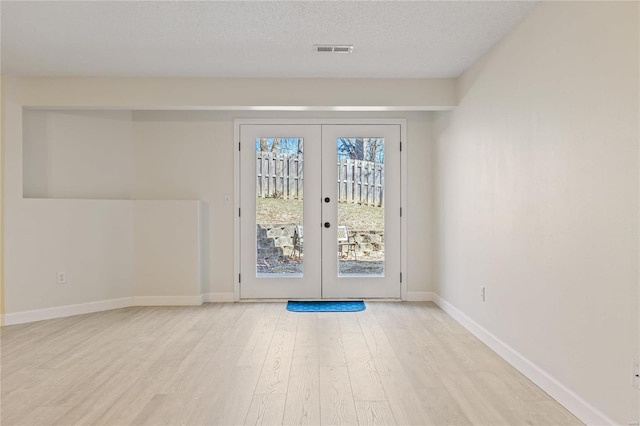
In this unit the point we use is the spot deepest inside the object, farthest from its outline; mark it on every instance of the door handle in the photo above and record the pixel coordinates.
(327, 225)
(327, 199)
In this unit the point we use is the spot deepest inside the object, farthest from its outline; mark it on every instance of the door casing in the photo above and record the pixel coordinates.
(284, 121)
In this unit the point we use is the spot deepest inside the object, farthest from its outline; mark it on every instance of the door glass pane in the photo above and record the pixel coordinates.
(360, 206)
(279, 207)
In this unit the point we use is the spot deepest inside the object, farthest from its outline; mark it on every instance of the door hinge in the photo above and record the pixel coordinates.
(400, 145)
(239, 281)
(238, 211)
(400, 211)
(238, 145)
(400, 276)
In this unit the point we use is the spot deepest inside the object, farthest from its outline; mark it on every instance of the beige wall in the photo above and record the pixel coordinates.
(156, 155)
(74, 162)
(77, 154)
(1, 201)
(537, 198)
(166, 255)
(189, 155)
(90, 240)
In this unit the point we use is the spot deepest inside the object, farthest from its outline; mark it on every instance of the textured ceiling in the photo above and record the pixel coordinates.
(424, 39)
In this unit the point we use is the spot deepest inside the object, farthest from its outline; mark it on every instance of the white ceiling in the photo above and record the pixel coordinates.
(423, 39)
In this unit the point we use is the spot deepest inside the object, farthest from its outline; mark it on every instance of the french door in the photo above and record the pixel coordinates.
(319, 211)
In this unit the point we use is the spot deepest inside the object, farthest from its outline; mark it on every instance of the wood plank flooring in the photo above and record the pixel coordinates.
(256, 363)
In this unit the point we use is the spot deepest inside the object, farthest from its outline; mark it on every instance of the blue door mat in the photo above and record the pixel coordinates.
(326, 306)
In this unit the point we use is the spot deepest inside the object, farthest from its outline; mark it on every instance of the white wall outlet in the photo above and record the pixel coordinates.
(62, 277)
(635, 374)
(483, 293)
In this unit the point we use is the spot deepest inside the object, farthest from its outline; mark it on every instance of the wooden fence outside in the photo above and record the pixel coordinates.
(360, 182)
(281, 176)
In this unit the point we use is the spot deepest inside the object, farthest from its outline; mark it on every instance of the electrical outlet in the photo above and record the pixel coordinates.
(635, 374)
(62, 277)
(483, 293)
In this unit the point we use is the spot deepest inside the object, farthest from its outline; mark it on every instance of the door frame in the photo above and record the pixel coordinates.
(343, 121)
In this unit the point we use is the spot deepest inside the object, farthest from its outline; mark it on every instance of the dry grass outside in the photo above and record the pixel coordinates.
(355, 216)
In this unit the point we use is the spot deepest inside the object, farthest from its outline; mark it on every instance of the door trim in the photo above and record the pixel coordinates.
(403, 186)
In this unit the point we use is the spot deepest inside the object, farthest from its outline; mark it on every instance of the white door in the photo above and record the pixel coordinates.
(319, 211)
(361, 182)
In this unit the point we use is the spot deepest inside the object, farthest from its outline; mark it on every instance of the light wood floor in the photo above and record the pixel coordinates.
(256, 363)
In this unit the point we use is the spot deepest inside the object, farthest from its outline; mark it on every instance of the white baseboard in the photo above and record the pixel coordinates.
(420, 296)
(167, 300)
(218, 297)
(565, 396)
(65, 311)
(103, 305)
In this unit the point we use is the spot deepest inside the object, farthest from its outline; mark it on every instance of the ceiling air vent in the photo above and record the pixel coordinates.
(332, 48)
